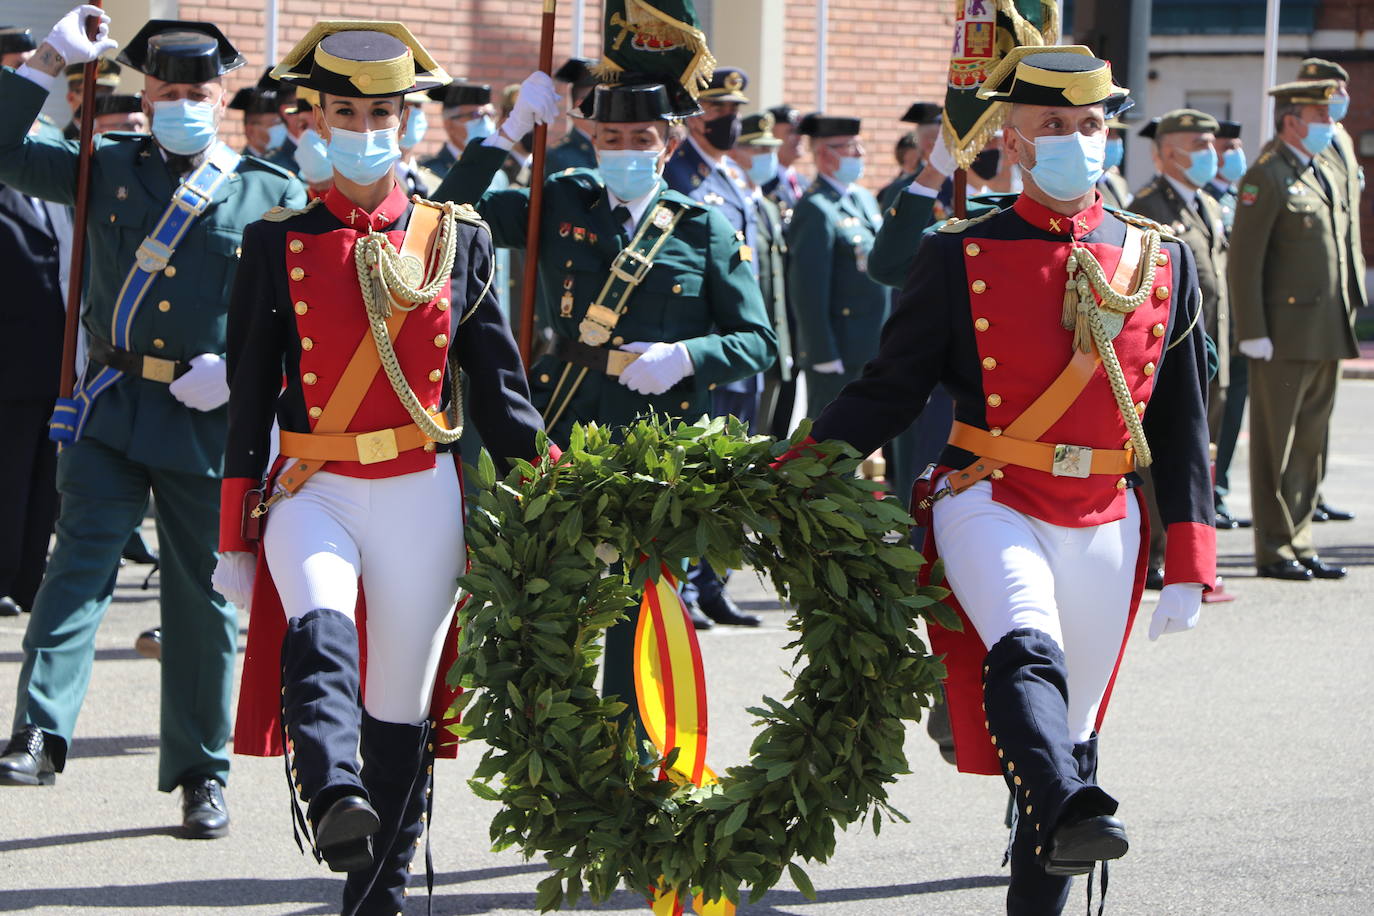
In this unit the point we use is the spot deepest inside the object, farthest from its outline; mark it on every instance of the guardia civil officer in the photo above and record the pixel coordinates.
(914, 148)
(468, 116)
(264, 131)
(1112, 185)
(575, 150)
(1033, 512)
(1295, 302)
(790, 185)
(107, 74)
(366, 495)
(150, 415)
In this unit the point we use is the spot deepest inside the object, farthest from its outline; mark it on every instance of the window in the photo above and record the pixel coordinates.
(1215, 103)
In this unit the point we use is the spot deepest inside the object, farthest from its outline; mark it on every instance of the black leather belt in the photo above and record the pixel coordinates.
(606, 360)
(153, 368)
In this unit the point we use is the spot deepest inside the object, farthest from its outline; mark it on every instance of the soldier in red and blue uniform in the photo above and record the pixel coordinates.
(1035, 506)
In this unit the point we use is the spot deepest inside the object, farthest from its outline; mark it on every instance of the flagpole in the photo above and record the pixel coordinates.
(541, 138)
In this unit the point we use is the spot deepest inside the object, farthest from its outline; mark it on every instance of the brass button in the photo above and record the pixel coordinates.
(1121, 483)
(1157, 330)
(981, 324)
(301, 307)
(1001, 753)
(997, 474)
(164, 306)
(442, 305)
(1029, 808)
(159, 343)
(844, 312)
(441, 340)
(1017, 780)
(1292, 300)
(711, 387)
(297, 273)
(989, 363)
(310, 378)
(1162, 258)
(1149, 369)
(686, 405)
(677, 287)
(1161, 292)
(995, 431)
(170, 271)
(568, 264)
(296, 246)
(994, 400)
(1037, 852)
(315, 412)
(972, 249)
(436, 375)
(979, 286)
(112, 217)
(1011, 767)
(617, 340)
(544, 379)
(307, 343)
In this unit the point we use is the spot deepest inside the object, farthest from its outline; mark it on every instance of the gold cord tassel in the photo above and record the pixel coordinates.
(1069, 318)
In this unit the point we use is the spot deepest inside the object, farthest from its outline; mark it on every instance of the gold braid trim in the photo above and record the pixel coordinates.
(281, 214)
(644, 18)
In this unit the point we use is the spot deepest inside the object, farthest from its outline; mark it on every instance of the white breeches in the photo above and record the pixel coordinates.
(403, 538)
(1010, 571)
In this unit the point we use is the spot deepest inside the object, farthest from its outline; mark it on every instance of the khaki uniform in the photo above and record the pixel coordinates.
(1290, 273)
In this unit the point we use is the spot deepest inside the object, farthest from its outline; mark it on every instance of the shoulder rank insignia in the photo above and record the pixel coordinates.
(1135, 219)
(281, 214)
(955, 226)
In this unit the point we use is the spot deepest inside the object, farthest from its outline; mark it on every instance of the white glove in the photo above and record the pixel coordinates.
(205, 386)
(68, 37)
(940, 158)
(537, 103)
(233, 577)
(1178, 609)
(834, 367)
(659, 367)
(1259, 348)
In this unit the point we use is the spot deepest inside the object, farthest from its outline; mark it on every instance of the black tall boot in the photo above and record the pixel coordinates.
(398, 769)
(1069, 820)
(320, 715)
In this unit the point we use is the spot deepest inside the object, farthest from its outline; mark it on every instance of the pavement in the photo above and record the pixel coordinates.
(1238, 751)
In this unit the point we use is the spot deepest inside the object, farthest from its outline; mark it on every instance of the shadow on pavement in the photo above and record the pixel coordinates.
(70, 839)
(112, 746)
(101, 655)
(1240, 564)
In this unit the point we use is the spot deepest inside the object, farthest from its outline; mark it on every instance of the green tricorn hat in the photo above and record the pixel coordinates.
(181, 51)
(1315, 68)
(106, 74)
(1058, 75)
(15, 39)
(1304, 92)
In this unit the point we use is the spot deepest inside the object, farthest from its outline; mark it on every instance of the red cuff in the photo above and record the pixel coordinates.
(231, 493)
(800, 450)
(1191, 554)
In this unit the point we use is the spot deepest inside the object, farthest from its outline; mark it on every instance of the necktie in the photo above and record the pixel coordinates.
(623, 221)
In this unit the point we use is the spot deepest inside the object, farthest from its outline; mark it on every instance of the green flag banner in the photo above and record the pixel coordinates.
(658, 37)
(984, 31)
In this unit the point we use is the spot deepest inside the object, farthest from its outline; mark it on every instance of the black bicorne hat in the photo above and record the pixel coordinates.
(639, 97)
(252, 100)
(15, 39)
(181, 51)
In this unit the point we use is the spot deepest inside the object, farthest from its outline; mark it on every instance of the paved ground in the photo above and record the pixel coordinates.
(1239, 751)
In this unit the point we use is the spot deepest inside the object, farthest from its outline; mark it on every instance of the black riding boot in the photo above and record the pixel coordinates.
(320, 715)
(1064, 820)
(398, 767)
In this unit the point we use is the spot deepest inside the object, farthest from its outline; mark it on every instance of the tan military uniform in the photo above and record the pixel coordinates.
(1341, 155)
(1290, 273)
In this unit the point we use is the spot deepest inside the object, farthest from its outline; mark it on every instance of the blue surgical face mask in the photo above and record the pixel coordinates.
(1318, 137)
(312, 158)
(763, 168)
(1116, 152)
(184, 127)
(1202, 167)
(850, 169)
(363, 157)
(1233, 165)
(1067, 167)
(416, 125)
(1339, 107)
(480, 128)
(629, 173)
(276, 135)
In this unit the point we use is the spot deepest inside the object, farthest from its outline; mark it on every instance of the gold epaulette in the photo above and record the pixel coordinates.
(465, 212)
(1146, 191)
(1135, 219)
(281, 214)
(955, 226)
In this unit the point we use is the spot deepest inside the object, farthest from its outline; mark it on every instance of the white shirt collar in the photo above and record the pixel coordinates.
(1301, 153)
(636, 206)
(1222, 186)
(1188, 193)
(842, 188)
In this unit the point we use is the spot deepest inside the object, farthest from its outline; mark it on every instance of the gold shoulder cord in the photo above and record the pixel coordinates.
(387, 279)
(1097, 324)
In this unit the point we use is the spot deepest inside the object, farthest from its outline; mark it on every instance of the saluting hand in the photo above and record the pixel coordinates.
(68, 37)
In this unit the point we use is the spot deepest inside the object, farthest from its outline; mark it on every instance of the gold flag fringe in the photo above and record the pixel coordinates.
(643, 18)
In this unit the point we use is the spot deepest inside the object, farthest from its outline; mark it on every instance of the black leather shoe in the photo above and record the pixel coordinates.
(9, 607)
(135, 551)
(1332, 514)
(1291, 570)
(699, 620)
(725, 612)
(26, 761)
(149, 643)
(344, 834)
(204, 815)
(1076, 847)
(1320, 569)
(1154, 578)
(1224, 521)
(1320, 515)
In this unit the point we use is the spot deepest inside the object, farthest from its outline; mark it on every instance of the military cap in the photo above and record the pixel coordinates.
(1181, 121)
(1228, 130)
(1115, 123)
(1055, 75)
(115, 103)
(1304, 92)
(1148, 129)
(253, 100)
(627, 103)
(757, 130)
(923, 113)
(106, 74)
(181, 51)
(360, 59)
(461, 92)
(727, 85)
(785, 114)
(15, 39)
(306, 98)
(820, 126)
(1314, 68)
(577, 71)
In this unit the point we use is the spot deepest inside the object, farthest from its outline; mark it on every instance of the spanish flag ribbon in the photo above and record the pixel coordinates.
(670, 685)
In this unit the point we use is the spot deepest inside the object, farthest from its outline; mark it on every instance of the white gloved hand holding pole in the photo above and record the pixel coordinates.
(834, 367)
(233, 577)
(536, 103)
(68, 37)
(660, 366)
(205, 387)
(1179, 607)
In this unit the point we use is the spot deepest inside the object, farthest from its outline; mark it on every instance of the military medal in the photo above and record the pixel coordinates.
(662, 218)
(565, 305)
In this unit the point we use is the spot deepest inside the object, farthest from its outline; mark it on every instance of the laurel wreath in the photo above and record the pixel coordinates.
(567, 774)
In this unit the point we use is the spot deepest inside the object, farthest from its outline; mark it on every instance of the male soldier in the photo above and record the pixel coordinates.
(1112, 185)
(468, 116)
(575, 150)
(1341, 154)
(839, 308)
(1185, 161)
(106, 82)
(119, 114)
(150, 414)
(913, 149)
(789, 186)
(1295, 304)
(1033, 517)
(16, 45)
(264, 132)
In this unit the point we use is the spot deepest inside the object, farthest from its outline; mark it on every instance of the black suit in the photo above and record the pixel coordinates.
(31, 321)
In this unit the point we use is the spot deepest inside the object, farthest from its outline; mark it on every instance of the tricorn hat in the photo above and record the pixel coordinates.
(1061, 75)
(15, 39)
(1228, 130)
(181, 51)
(923, 113)
(577, 71)
(821, 126)
(461, 92)
(106, 74)
(115, 103)
(360, 59)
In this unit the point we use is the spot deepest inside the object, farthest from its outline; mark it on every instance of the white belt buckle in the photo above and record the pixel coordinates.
(1072, 461)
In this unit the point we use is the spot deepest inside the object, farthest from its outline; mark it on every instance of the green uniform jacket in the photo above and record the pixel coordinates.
(772, 255)
(1205, 234)
(887, 197)
(701, 290)
(574, 151)
(1288, 265)
(840, 309)
(894, 248)
(184, 311)
(1341, 154)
